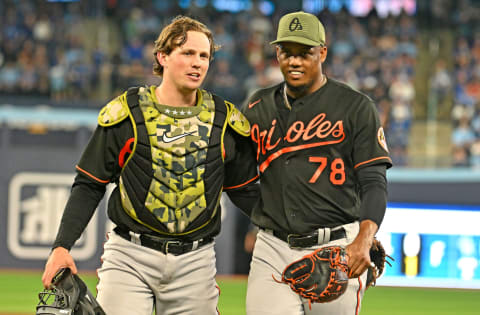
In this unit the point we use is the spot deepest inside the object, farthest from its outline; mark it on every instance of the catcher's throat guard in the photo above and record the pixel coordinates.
(68, 296)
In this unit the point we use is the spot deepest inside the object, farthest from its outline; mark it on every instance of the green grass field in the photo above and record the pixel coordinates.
(18, 295)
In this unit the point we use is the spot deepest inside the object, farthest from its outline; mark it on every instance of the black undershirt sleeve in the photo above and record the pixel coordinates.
(84, 199)
(245, 198)
(100, 159)
(373, 187)
(240, 172)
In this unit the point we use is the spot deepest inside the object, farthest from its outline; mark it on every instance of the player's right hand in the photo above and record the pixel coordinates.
(59, 258)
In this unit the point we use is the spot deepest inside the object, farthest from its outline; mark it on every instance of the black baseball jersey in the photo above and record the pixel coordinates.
(102, 162)
(308, 156)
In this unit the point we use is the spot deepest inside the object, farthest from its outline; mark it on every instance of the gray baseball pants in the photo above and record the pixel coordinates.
(266, 296)
(134, 279)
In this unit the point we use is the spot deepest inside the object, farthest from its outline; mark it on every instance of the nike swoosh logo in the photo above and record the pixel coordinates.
(168, 139)
(254, 103)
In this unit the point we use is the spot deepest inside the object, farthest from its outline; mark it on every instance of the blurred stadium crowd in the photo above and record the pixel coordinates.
(92, 50)
(464, 81)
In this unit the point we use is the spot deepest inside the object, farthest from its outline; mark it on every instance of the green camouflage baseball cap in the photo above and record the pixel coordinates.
(300, 27)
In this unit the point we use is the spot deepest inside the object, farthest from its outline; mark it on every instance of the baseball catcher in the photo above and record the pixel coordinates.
(322, 276)
(68, 296)
(170, 150)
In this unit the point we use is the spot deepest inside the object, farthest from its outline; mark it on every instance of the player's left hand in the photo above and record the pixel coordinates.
(358, 256)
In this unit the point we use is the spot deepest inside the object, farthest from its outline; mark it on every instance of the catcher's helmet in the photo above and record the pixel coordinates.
(68, 296)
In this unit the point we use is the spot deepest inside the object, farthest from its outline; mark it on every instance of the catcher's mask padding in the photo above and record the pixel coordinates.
(70, 296)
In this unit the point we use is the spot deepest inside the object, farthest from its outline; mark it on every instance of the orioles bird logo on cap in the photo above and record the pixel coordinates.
(295, 25)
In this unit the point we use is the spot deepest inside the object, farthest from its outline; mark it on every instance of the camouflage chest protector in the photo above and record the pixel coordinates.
(177, 154)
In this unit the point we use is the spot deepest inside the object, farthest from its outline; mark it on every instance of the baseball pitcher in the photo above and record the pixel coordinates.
(322, 157)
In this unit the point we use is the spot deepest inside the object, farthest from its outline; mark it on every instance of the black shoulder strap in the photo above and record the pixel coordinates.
(136, 174)
(219, 103)
(142, 140)
(133, 104)
(220, 111)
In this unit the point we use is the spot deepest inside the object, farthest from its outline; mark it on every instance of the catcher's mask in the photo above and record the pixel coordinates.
(68, 296)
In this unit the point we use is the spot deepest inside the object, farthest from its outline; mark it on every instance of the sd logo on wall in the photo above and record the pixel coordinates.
(35, 206)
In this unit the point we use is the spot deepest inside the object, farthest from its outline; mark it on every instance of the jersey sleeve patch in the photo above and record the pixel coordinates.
(114, 112)
(381, 139)
(237, 120)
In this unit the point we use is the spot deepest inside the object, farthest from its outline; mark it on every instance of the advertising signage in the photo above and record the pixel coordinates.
(433, 245)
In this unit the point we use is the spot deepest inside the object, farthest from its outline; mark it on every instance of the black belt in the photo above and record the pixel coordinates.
(318, 237)
(165, 246)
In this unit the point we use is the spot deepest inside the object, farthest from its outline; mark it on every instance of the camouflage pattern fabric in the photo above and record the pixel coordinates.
(237, 121)
(114, 112)
(179, 139)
